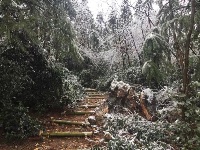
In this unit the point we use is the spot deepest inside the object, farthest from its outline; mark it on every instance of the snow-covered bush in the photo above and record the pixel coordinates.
(72, 89)
(134, 75)
(104, 83)
(134, 132)
(170, 131)
(29, 81)
(186, 131)
(94, 74)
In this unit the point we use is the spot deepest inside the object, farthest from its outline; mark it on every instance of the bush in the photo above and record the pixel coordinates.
(86, 78)
(72, 89)
(104, 83)
(134, 75)
(31, 82)
(186, 131)
(134, 132)
(27, 77)
(92, 75)
(17, 124)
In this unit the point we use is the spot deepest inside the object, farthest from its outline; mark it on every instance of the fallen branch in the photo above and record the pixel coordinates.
(69, 122)
(67, 134)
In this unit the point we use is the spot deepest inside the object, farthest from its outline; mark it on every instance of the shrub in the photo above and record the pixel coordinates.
(134, 132)
(86, 78)
(93, 74)
(186, 131)
(72, 89)
(134, 75)
(17, 124)
(31, 82)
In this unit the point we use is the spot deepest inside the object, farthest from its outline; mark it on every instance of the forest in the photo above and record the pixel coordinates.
(53, 51)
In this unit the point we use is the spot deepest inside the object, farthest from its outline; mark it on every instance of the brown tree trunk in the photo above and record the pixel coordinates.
(187, 50)
(186, 79)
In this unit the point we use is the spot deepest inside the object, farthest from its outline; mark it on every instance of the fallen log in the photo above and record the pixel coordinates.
(124, 95)
(80, 112)
(69, 122)
(89, 106)
(67, 134)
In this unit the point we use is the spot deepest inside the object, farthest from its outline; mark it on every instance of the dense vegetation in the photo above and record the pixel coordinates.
(51, 49)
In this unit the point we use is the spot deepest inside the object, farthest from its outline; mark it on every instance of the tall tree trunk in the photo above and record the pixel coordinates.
(187, 50)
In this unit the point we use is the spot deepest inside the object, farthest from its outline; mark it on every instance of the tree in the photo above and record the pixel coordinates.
(178, 20)
(157, 59)
(35, 39)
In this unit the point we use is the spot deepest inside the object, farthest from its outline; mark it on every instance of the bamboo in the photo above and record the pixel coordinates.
(89, 106)
(92, 95)
(80, 112)
(89, 93)
(95, 97)
(67, 134)
(90, 90)
(69, 122)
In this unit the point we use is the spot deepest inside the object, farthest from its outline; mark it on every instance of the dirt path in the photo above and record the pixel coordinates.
(93, 100)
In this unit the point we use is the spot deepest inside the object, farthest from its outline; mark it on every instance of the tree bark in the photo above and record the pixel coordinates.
(187, 50)
(145, 110)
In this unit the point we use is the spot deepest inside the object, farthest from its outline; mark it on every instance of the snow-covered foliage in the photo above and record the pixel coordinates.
(149, 93)
(72, 89)
(134, 132)
(131, 131)
(119, 85)
(118, 39)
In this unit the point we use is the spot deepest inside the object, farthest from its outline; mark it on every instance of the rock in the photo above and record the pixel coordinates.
(92, 120)
(107, 136)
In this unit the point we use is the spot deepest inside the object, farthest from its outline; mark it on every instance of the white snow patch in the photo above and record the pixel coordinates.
(149, 94)
(120, 85)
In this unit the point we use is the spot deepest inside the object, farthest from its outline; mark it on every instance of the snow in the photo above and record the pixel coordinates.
(149, 93)
(120, 85)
